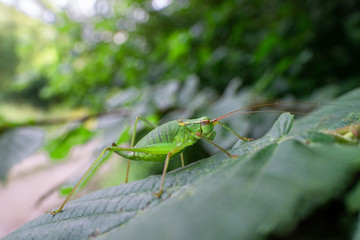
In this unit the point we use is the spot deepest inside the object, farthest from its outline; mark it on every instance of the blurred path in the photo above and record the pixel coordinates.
(32, 178)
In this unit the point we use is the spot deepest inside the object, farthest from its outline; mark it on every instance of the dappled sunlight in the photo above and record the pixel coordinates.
(160, 4)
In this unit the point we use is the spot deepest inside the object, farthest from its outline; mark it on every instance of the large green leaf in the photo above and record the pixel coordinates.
(274, 183)
(16, 144)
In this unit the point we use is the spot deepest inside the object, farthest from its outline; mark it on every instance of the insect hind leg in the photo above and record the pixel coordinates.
(80, 181)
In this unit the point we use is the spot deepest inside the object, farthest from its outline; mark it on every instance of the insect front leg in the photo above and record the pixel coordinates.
(229, 129)
(133, 140)
(211, 142)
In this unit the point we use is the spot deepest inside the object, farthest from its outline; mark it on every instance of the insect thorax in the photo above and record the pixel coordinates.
(200, 127)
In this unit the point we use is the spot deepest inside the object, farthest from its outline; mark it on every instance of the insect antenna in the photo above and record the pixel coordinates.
(242, 110)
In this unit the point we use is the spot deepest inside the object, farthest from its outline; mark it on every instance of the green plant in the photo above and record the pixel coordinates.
(276, 182)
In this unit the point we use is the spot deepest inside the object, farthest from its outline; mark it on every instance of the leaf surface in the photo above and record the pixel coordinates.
(16, 144)
(275, 182)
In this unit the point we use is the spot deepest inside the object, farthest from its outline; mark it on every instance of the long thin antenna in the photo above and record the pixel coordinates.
(257, 111)
(241, 110)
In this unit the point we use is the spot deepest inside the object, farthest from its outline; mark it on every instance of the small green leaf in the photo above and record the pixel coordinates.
(65, 190)
(59, 148)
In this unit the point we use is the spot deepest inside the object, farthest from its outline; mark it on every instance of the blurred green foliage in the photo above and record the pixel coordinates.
(59, 147)
(277, 47)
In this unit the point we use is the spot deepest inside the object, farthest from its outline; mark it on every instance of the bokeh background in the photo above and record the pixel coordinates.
(75, 74)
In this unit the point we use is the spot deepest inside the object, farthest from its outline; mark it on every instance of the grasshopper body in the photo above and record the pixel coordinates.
(161, 144)
(175, 135)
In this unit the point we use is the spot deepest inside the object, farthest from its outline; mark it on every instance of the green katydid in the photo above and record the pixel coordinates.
(169, 140)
